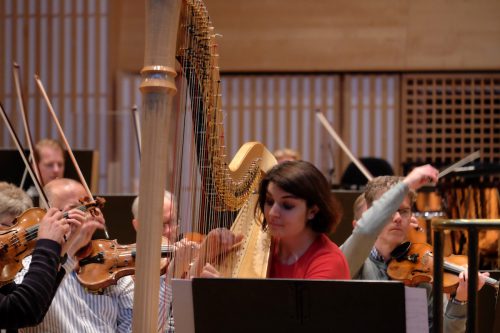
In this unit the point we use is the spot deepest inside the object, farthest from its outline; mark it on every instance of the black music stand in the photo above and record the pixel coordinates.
(343, 230)
(118, 213)
(284, 305)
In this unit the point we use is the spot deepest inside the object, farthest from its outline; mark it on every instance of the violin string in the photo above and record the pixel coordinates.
(164, 249)
(31, 233)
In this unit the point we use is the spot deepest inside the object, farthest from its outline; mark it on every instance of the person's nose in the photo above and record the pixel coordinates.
(274, 211)
(396, 218)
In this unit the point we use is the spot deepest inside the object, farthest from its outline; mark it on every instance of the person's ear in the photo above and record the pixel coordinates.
(354, 222)
(311, 213)
(135, 223)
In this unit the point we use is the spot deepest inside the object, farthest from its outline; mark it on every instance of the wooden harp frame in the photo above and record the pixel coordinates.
(234, 183)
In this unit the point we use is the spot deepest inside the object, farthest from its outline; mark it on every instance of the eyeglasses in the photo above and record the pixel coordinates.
(405, 213)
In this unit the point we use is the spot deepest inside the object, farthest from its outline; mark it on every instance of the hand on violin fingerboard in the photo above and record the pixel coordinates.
(185, 253)
(420, 176)
(461, 293)
(81, 236)
(54, 226)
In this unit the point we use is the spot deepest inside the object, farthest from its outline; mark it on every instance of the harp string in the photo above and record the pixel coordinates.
(209, 191)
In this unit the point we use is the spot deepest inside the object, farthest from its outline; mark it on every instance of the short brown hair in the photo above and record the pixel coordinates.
(381, 184)
(54, 144)
(357, 207)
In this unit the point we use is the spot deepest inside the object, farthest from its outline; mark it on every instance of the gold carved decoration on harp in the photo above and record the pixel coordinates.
(179, 38)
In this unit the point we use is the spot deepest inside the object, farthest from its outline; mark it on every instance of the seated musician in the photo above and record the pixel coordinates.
(73, 308)
(384, 226)
(169, 223)
(25, 304)
(295, 200)
(50, 158)
(49, 155)
(286, 154)
(185, 250)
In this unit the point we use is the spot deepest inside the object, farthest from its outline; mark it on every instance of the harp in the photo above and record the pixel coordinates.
(180, 39)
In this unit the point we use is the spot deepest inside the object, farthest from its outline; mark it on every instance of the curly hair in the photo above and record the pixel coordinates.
(13, 200)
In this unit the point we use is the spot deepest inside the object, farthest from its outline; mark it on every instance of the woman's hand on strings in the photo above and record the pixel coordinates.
(219, 241)
(209, 271)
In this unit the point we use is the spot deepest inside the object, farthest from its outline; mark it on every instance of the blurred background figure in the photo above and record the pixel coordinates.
(13, 201)
(49, 155)
(169, 216)
(286, 154)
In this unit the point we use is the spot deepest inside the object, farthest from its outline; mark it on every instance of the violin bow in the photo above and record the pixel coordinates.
(137, 127)
(19, 93)
(43, 197)
(68, 148)
(342, 145)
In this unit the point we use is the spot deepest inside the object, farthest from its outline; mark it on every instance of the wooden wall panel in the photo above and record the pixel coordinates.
(68, 43)
(124, 169)
(65, 43)
(370, 125)
(279, 111)
(339, 35)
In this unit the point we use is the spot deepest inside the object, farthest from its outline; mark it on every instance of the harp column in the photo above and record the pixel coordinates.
(158, 89)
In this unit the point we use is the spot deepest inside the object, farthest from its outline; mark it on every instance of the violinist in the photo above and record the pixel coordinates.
(73, 308)
(169, 223)
(358, 208)
(25, 304)
(49, 155)
(384, 226)
(13, 201)
(185, 251)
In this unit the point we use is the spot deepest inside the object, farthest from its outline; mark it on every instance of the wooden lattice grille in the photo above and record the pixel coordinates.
(447, 116)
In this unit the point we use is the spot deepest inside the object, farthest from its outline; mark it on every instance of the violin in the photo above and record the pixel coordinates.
(412, 264)
(18, 241)
(110, 261)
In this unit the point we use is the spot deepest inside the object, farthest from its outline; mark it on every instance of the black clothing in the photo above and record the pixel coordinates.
(26, 304)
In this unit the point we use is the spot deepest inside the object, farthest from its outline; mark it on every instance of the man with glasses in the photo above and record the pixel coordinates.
(384, 226)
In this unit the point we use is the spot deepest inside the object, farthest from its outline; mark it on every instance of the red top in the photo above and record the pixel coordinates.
(322, 260)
